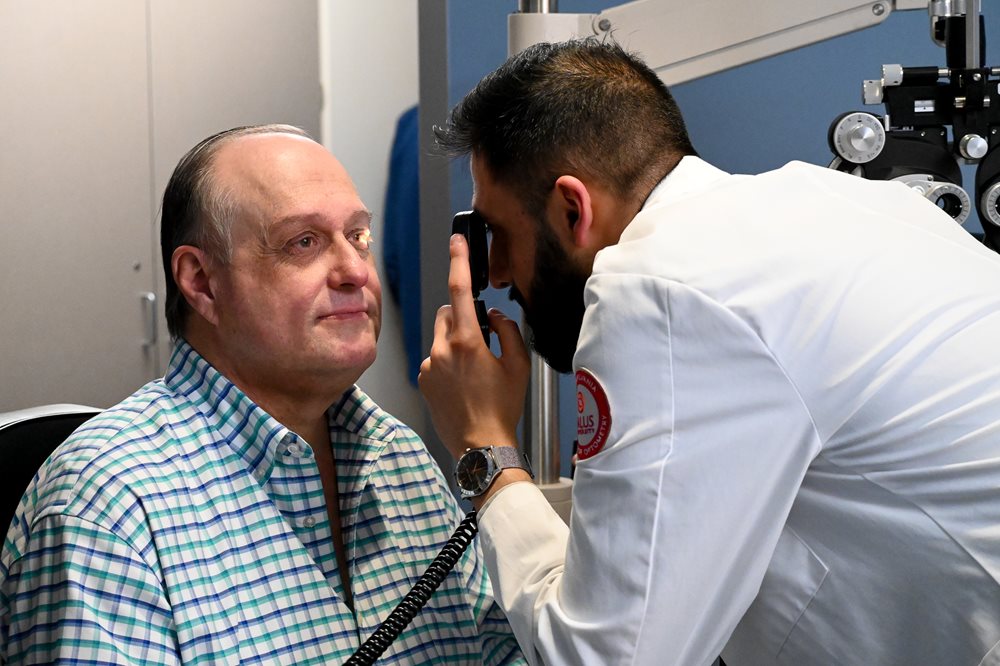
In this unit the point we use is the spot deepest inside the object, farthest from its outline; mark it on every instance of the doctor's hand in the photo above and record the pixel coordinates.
(475, 398)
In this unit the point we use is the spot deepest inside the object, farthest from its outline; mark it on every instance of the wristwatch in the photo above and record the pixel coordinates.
(477, 468)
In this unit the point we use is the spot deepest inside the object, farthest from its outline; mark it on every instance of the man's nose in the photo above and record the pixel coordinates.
(499, 270)
(349, 268)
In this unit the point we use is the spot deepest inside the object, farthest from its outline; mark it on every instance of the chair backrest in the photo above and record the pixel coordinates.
(27, 437)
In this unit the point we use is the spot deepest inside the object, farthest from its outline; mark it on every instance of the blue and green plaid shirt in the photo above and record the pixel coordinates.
(186, 525)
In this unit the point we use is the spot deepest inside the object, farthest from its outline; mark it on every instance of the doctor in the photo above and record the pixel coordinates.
(788, 390)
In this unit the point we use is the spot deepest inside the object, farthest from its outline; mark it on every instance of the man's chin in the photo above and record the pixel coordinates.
(356, 351)
(561, 365)
(559, 360)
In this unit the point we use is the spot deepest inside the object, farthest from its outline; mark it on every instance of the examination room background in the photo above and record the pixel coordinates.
(375, 59)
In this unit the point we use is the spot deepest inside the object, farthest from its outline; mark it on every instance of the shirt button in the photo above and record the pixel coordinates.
(294, 449)
(309, 522)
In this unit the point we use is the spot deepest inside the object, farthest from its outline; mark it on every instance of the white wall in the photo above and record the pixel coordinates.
(368, 65)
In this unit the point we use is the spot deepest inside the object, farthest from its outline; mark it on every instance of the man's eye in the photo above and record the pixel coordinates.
(302, 243)
(361, 239)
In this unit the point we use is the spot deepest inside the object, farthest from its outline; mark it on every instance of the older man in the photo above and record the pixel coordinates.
(253, 505)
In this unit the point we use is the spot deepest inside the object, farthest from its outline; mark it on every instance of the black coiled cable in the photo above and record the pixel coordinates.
(416, 598)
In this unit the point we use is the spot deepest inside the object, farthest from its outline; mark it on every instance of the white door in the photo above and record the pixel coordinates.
(75, 202)
(98, 101)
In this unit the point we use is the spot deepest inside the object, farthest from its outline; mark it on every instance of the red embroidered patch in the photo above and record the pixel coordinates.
(593, 415)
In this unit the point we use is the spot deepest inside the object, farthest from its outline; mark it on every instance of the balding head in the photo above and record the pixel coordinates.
(197, 212)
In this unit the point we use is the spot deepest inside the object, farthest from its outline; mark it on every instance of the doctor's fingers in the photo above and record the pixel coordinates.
(443, 323)
(460, 285)
(439, 346)
(449, 333)
(513, 351)
(449, 339)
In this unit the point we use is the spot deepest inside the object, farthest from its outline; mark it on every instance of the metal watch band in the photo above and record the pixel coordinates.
(509, 456)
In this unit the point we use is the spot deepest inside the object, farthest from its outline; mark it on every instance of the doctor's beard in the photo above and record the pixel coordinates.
(555, 311)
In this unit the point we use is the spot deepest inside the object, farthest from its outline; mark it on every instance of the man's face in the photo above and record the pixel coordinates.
(299, 305)
(527, 255)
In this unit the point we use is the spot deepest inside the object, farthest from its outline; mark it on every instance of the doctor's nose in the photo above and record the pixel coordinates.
(499, 269)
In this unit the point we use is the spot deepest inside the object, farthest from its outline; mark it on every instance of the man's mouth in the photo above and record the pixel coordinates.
(346, 313)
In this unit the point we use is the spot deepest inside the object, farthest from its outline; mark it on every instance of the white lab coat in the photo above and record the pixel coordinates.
(803, 373)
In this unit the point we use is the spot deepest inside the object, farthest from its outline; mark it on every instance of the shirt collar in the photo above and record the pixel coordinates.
(358, 414)
(359, 433)
(253, 434)
(359, 429)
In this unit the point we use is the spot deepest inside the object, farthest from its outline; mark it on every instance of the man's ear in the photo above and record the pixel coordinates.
(192, 270)
(572, 198)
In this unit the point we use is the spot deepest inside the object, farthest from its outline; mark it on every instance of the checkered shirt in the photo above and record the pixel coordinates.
(186, 525)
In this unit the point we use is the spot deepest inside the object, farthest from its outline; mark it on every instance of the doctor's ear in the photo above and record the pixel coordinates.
(192, 270)
(573, 201)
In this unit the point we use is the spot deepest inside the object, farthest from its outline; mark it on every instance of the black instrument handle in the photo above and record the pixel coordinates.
(484, 320)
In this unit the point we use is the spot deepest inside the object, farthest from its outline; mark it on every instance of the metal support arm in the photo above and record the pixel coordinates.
(697, 38)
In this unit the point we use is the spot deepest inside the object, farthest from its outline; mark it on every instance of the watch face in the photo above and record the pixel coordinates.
(474, 472)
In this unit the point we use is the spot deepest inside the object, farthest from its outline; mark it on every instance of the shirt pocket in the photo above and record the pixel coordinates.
(792, 580)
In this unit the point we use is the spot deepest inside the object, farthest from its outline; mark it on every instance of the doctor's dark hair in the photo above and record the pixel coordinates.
(198, 211)
(584, 107)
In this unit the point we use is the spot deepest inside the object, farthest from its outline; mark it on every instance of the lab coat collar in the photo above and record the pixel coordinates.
(692, 175)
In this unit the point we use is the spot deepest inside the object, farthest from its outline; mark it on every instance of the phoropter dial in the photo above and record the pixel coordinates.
(857, 137)
(990, 204)
(949, 197)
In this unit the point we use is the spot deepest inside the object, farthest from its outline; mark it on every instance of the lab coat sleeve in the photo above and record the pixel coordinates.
(676, 518)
